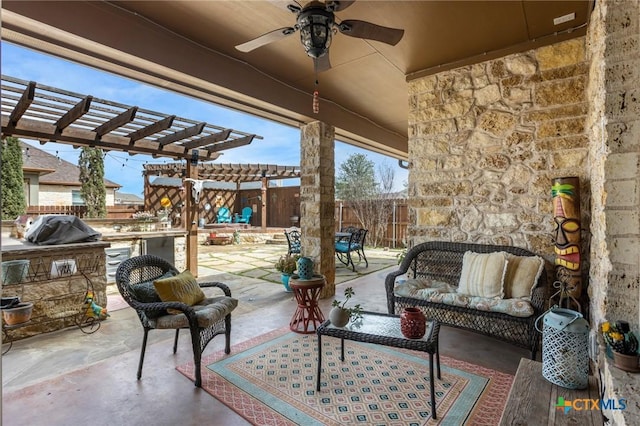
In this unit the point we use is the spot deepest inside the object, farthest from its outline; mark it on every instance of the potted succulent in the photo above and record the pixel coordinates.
(623, 344)
(286, 265)
(340, 315)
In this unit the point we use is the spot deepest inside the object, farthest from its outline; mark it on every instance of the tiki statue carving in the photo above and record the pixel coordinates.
(566, 215)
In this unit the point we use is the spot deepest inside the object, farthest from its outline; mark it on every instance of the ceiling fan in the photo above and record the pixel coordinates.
(316, 23)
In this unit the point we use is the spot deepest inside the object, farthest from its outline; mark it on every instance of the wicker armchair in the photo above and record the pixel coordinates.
(205, 320)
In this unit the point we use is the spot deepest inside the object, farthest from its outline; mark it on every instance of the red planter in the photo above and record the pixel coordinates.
(413, 323)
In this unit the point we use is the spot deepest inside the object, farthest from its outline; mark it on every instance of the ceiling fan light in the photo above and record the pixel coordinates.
(316, 26)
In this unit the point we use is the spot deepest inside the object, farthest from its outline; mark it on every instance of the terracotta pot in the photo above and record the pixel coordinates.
(413, 323)
(339, 317)
(629, 363)
(21, 313)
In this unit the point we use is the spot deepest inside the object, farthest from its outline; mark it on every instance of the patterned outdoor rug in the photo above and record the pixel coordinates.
(271, 380)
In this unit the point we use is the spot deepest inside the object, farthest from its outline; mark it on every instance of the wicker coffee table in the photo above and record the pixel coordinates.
(383, 329)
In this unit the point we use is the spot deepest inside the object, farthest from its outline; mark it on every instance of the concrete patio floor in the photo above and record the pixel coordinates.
(68, 377)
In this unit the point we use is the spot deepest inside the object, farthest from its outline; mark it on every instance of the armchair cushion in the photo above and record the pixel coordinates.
(181, 288)
(208, 312)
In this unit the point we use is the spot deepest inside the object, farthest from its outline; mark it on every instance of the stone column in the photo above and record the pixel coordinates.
(317, 200)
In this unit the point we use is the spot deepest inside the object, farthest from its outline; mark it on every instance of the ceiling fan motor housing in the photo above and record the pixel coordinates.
(316, 26)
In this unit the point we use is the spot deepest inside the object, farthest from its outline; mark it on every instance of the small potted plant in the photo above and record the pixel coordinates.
(340, 315)
(286, 265)
(623, 344)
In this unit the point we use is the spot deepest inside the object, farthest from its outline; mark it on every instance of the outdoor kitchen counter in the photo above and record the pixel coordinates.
(170, 244)
(133, 235)
(56, 281)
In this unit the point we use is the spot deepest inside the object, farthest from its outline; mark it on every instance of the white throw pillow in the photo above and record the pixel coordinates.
(522, 275)
(483, 274)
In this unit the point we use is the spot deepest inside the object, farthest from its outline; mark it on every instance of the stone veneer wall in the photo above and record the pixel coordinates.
(57, 296)
(614, 133)
(485, 142)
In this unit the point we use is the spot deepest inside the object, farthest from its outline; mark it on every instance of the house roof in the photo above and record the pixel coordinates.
(126, 198)
(53, 170)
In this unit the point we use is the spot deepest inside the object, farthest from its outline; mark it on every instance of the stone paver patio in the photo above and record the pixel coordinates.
(256, 261)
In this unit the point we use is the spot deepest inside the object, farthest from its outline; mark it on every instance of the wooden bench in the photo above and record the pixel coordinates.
(533, 399)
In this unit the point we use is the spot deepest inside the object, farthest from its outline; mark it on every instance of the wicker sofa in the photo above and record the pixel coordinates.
(443, 261)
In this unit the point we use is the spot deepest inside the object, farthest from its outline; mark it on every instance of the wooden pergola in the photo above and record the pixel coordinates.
(49, 114)
(236, 173)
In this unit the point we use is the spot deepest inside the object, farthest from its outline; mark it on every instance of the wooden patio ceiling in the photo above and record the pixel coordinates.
(49, 114)
(237, 173)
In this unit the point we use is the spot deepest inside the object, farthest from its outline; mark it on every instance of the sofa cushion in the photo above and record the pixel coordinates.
(514, 307)
(521, 276)
(483, 274)
(421, 287)
(181, 288)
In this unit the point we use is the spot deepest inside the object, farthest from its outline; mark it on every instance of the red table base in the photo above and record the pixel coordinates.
(308, 315)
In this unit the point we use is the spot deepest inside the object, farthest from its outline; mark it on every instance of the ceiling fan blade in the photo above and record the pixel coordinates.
(267, 38)
(291, 6)
(322, 63)
(338, 5)
(362, 29)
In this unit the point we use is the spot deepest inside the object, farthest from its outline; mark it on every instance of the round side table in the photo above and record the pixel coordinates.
(308, 315)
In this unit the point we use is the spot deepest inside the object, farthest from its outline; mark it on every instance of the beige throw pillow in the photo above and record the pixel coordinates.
(181, 288)
(522, 274)
(483, 274)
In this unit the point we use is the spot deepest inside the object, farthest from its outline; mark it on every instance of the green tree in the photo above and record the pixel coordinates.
(93, 190)
(14, 203)
(369, 198)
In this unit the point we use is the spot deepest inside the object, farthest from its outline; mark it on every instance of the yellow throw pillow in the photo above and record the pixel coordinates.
(483, 274)
(522, 275)
(181, 288)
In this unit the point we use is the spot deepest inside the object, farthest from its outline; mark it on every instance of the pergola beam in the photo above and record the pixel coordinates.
(44, 131)
(23, 104)
(116, 122)
(207, 140)
(235, 143)
(182, 134)
(151, 129)
(78, 110)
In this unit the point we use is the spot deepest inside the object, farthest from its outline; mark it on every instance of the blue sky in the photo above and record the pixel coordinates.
(281, 144)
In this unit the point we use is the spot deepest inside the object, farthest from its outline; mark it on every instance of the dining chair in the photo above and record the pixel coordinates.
(293, 240)
(138, 281)
(355, 244)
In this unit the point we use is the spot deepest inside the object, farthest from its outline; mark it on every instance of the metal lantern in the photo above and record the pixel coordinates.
(565, 354)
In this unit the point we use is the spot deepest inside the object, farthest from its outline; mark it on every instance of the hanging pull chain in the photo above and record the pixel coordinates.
(316, 94)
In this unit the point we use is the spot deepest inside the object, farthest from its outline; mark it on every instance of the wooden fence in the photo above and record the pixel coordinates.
(113, 212)
(396, 232)
(283, 209)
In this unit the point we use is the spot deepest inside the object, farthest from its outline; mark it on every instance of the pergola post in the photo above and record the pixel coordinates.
(191, 223)
(263, 198)
(317, 200)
